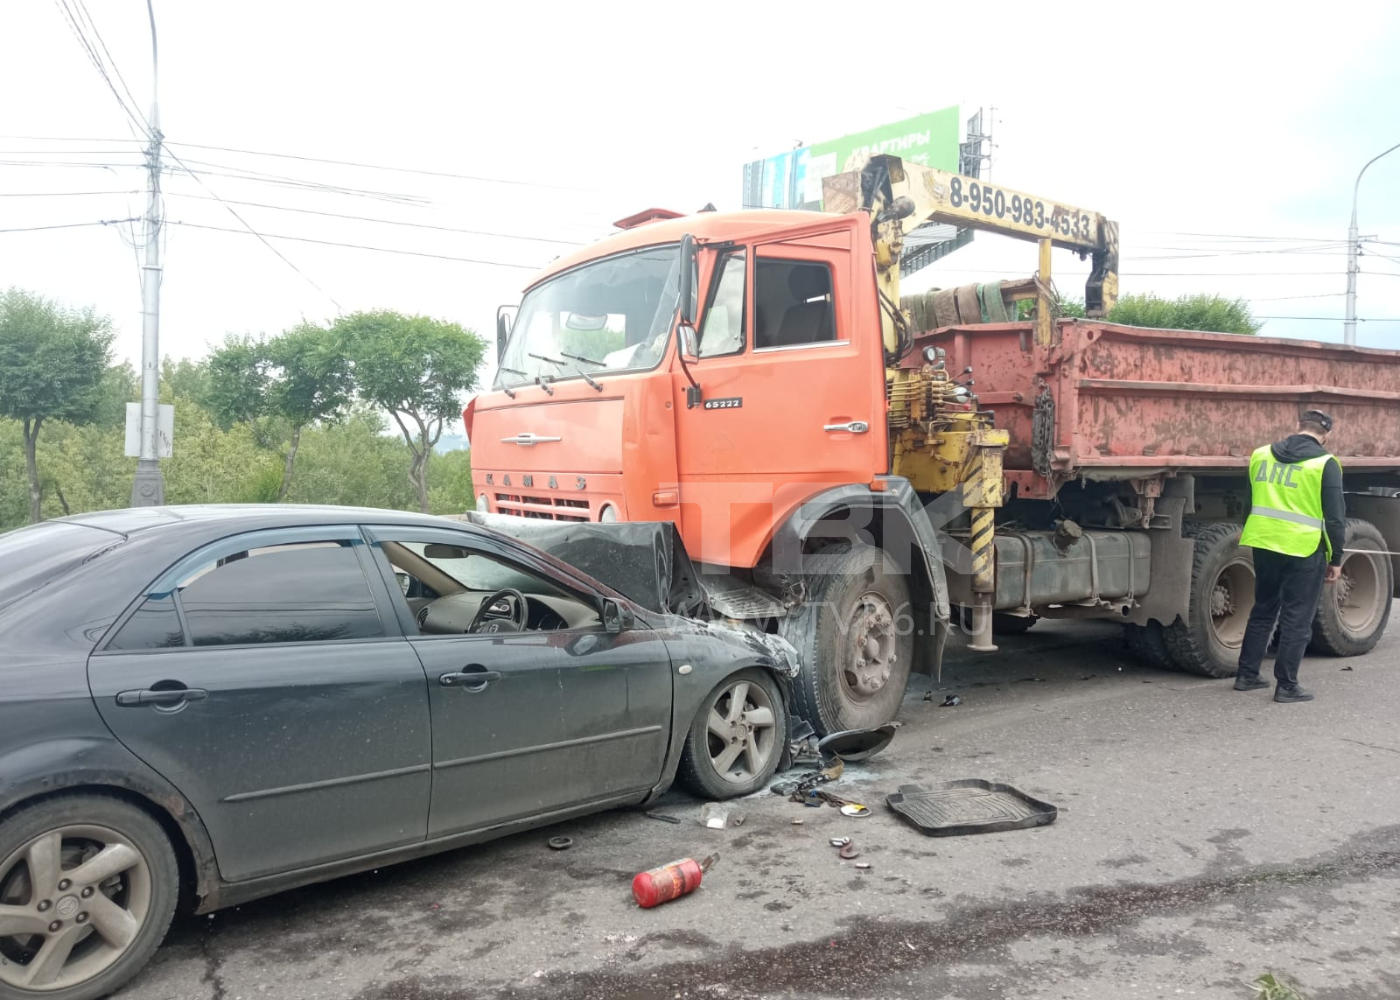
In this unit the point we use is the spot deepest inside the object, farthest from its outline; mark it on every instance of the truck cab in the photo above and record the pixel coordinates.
(593, 417)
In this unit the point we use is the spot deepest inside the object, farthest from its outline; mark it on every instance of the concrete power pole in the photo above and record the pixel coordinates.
(1353, 251)
(148, 488)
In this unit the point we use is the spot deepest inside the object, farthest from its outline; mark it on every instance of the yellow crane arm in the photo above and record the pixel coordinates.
(894, 192)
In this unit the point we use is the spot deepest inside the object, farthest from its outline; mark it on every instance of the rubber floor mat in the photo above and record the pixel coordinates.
(969, 805)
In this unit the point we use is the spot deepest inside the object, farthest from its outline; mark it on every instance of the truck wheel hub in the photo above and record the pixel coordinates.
(870, 648)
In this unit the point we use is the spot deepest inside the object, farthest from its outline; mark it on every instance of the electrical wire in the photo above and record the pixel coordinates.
(58, 194)
(244, 222)
(67, 225)
(135, 104)
(74, 23)
(360, 246)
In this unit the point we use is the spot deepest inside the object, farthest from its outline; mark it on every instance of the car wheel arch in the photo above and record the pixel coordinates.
(190, 841)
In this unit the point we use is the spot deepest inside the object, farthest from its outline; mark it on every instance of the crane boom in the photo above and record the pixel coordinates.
(894, 191)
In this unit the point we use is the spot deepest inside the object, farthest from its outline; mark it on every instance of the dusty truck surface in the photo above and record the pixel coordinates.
(860, 472)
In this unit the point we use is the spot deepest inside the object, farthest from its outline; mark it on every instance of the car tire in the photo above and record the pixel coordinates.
(112, 941)
(1149, 644)
(737, 738)
(1353, 612)
(862, 593)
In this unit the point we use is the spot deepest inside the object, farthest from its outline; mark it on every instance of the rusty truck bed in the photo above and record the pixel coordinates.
(1118, 402)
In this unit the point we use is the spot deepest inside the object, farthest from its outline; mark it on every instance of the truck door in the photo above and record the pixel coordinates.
(792, 373)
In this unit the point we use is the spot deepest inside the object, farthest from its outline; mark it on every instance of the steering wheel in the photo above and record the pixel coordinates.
(485, 622)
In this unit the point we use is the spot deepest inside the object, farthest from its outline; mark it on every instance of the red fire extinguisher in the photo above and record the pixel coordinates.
(660, 885)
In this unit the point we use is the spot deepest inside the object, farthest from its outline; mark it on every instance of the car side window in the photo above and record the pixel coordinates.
(296, 592)
(793, 303)
(722, 327)
(446, 587)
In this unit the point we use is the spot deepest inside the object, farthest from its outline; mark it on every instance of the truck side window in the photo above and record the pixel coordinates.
(722, 327)
(792, 303)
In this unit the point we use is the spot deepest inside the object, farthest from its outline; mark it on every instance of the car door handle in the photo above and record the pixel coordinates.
(852, 427)
(469, 679)
(160, 696)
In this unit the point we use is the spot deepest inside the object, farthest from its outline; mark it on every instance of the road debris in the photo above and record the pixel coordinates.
(863, 866)
(951, 701)
(969, 805)
(848, 850)
(560, 843)
(663, 817)
(855, 809)
(670, 881)
(718, 815)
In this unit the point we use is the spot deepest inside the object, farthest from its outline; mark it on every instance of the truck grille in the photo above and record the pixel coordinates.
(549, 508)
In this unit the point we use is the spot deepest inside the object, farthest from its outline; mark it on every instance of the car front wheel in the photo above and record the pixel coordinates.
(88, 885)
(736, 740)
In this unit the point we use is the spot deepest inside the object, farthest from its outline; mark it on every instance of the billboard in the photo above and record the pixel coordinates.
(793, 179)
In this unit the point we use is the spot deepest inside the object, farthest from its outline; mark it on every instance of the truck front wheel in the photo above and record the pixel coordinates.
(1208, 640)
(856, 637)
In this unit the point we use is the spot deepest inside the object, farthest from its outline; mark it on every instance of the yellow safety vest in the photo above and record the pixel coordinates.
(1286, 511)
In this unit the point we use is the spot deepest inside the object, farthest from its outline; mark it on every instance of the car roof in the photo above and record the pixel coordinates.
(202, 518)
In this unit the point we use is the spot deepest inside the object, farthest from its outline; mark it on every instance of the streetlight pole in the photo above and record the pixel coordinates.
(148, 488)
(1353, 251)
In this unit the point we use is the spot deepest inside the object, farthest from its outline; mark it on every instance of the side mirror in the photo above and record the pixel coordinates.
(505, 319)
(690, 347)
(617, 618)
(687, 281)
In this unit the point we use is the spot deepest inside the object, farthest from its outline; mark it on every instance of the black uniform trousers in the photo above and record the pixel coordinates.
(1287, 588)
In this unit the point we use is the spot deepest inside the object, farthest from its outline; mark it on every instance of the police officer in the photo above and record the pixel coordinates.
(1296, 526)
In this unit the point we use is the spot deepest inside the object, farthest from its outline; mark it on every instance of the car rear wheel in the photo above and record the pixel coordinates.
(1352, 614)
(88, 885)
(736, 740)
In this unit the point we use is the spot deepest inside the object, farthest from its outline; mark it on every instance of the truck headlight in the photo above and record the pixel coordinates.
(483, 503)
(608, 514)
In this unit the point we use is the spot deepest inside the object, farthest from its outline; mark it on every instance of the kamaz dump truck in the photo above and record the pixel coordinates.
(860, 472)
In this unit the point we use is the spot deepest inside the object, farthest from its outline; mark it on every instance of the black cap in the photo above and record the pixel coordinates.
(1317, 417)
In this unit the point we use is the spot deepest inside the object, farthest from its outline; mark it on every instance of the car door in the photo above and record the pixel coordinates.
(266, 680)
(565, 714)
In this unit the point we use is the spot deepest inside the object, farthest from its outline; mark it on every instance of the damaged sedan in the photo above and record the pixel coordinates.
(204, 705)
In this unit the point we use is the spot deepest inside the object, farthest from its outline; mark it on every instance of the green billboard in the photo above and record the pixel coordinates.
(794, 179)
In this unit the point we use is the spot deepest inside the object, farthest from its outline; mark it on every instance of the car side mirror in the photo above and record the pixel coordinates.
(687, 281)
(616, 617)
(690, 347)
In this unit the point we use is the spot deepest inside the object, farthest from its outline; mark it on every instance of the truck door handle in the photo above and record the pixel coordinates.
(166, 697)
(472, 680)
(853, 427)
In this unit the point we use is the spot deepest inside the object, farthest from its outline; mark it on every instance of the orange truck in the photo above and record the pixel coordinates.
(861, 472)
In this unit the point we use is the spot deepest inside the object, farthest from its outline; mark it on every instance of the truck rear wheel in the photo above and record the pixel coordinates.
(1208, 641)
(856, 638)
(1353, 612)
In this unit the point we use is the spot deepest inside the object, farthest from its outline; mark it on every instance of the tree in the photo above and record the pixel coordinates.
(235, 391)
(1211, 313)
(53, 362)
(416, 368)
(311, 381)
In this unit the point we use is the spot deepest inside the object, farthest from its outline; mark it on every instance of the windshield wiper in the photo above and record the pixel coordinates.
(577, 370)
(543, 381)
(514, 371)
(554, 361)
(580, 357)
(588, 378)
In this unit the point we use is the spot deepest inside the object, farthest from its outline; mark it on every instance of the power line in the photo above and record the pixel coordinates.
(387, 222)
(74, 23)
(1333, 319)
(135, 104)
(67, 225)
(402, 170)
(244, 222)
(58, 194)
(361, 246)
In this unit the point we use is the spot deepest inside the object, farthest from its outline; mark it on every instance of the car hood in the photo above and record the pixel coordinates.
(642, 560)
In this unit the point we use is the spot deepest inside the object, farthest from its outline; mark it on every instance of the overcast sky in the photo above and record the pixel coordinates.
(1191, 124)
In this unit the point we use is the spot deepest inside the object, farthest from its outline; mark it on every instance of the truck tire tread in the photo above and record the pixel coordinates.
(1330, 636)
(1188, 639)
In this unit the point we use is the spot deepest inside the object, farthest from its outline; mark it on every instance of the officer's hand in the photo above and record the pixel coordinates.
(1334, 573)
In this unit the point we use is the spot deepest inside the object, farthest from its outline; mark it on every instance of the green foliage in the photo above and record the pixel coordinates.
(236, 386)
(416, 368)
(1271, 987)
(1025, 308)
(311, 378)
(184, 378)
(1211, 313)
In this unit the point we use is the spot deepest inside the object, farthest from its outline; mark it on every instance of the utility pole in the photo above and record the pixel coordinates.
(1353, 251)
(148, 488)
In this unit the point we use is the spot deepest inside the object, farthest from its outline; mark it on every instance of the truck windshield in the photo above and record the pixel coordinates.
(611, 315)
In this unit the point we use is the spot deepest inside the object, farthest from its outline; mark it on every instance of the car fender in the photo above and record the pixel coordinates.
(71, 763)
(713, 651)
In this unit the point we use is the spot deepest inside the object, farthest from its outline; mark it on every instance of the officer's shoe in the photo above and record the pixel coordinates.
(1291, 694)
(1250, 682)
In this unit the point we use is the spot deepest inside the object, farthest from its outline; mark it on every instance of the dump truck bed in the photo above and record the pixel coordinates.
(1118, 402)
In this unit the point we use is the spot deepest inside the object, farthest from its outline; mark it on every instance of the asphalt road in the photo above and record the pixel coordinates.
(1205, 837)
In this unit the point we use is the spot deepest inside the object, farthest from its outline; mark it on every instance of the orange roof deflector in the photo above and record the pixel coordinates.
(645, 216)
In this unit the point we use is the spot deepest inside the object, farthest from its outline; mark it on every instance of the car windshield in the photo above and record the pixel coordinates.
(43, 553)
(608, 316)
(479, 573)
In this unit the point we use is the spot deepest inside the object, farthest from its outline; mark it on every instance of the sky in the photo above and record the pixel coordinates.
(1224, 140)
